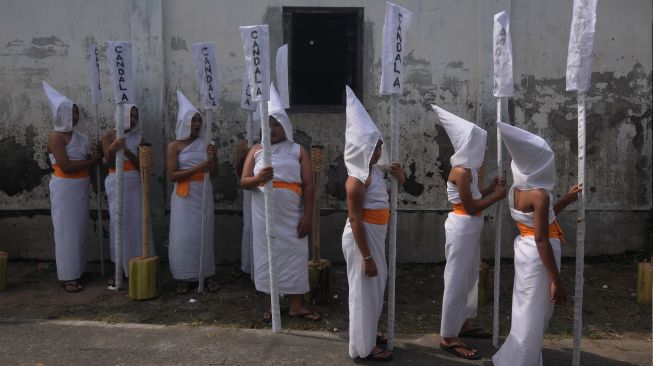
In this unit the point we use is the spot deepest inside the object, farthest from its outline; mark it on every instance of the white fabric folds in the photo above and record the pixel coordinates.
(395, 27)
(502, 51)
(533, 161)
(184, 116)
(276, 110)
(361, 137)
(467, 138)
(61, 108)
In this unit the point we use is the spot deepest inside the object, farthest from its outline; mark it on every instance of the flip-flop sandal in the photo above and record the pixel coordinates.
(267, 317)
(452, 349)
(374, 356)
(182, 288)
(213, 285)
(381, 339)
(477, 332)
(71, 286)
(311, 315)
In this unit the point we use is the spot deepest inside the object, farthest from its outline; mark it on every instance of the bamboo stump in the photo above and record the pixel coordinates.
(644, 283)
(319, 270)
(143, 270)
(3, 270)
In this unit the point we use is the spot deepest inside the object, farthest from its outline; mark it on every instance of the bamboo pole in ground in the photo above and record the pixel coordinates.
(497, 239)
(206, 196)
(392, 225)
(120, 158)
(319, 270)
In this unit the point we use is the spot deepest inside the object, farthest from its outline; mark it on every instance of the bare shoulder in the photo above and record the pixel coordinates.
(459, 174)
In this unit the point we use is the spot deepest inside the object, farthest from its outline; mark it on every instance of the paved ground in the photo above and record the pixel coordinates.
(63, 342)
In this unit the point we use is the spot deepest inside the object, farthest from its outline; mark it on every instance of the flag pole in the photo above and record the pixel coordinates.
(206, 195)
(497, 238)
(120, 157)
(392, 229)
(580, 234)
(99, 197)
(269, 218)
(247, 196)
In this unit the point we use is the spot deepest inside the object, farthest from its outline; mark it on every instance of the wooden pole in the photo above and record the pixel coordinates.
(392, 227)
(497, 239)
(206, 196)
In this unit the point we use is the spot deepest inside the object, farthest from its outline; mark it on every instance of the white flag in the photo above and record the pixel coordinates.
(581, 44)
(206, 69)
(246, 102)
(94, 66)
(502, 51)
(282, 76)
(397, 22)
(256, 44)
(119, 57)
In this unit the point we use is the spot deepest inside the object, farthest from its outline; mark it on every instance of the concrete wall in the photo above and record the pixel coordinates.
(448, 63)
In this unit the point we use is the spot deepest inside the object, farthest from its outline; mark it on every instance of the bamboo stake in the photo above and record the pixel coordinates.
(120, 157)
(316, 156)
(392, 227)
(497, 239)
(580, 234)
(206, 196)
(145, 167)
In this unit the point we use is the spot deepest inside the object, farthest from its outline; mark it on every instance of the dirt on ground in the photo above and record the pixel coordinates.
(609, 310)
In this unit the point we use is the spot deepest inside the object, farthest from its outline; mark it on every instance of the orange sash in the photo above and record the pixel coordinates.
(295, 187)
(61, 174)
(127, 167)
(379, 216)
(459, 209)
(555, 231)
(183, 187)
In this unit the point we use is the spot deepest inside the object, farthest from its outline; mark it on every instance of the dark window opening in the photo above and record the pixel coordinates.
(324, 54)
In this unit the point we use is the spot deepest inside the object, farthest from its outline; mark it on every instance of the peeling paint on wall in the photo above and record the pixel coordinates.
(23, 172)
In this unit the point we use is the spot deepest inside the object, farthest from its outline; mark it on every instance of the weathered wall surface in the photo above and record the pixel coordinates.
(448, 63)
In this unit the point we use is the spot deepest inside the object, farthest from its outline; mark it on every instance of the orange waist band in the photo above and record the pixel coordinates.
(555, 232)
(183, 187)
(127, 166)
(379, 216)
(459, 209)
(295, 187)
(61, 174)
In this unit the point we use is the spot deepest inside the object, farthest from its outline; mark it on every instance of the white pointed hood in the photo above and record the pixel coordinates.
(61, 108)
(467, 138)
(127, 117)
(184, 117)
(276, 110)
(533, 161)
(361, 137)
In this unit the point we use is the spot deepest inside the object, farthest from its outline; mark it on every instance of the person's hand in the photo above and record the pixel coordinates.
(572, 195)
(205, 166)
(210, 149)
(117, 145)
(369, 267)
(495, 182)
(500, 188)
(558, 293)
(265, 174)
(397, 172)
(304, 226)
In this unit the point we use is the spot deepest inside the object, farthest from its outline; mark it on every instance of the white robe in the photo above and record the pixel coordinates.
(70, 214)
(132, 208)
(366, 293)
(291, 251)
(462, 251)
(186, 222)
(246, 253)
(531, 297)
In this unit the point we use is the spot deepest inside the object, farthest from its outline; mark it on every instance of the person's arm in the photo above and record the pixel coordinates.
(250, 181)
(541, 201)
(398, 172)
(463, 179)
(355, 198)
(57, 147)
(304, 226)
(172, 165)
(489, 189)
(569, 198)
(110, 146)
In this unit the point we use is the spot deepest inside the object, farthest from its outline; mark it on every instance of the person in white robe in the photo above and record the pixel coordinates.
(363, 239)
(186, 165)
(537, 286)
(293, 208)
(69, 188)
(463, 233)
(132, 204)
